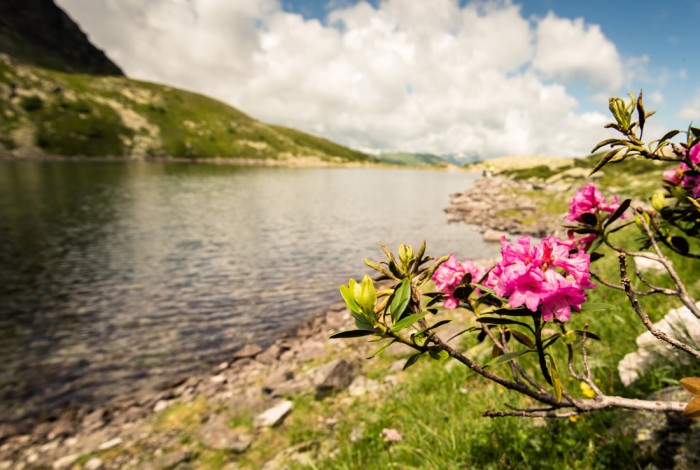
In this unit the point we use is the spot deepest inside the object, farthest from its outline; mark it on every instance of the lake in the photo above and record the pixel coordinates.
(117, 276)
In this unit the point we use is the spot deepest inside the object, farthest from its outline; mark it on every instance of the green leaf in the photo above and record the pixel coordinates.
(589, 307)
(588, 335)
(607, 156)
(438, 354)
(473, 328)
(680, 244)
(412, 359)
(507, 357)
(352, 334)
(605, 142)
(669, 135)
(514, 312)
(502, 321)
(589, 218)
(555, 378)
(522, 338)
(618, 213)
(380, 350)
(407, 321)
(349, 296)
(402, 297)
(483, 288)
(551, 340)
(432, 327)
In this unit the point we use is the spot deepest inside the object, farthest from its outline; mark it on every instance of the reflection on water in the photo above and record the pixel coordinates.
(117, 276)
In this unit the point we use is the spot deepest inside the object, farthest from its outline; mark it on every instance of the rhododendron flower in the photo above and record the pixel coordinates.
(449, 275)
(391, 435)
(589, 200)
(549, 276)
(678, 176)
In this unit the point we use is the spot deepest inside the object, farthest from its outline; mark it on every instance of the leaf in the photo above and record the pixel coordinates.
(463, 292)
(607, 156)
(348, 295)
(608, 142)
(691, 384)
(589, 218)
(502, 321)
(596, 256)
(551, 340)
(438, 354)
(669, 135)
(461, 333)
(555, 379)
(522, 338)
(618, 213)
(483, 288)
(402, 296)
(692, 409)
(412, 359)
(352, 334)
(514, 312)
(432, 327)
(589, 307)
(589, 335)
(680, 244)
(507, 357)
(380, 268)
(380, 350)
(361, 322)
(407, 321)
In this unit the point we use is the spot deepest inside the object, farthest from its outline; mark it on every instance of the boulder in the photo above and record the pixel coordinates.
(247, 351)
(333, 376)
(276, 379)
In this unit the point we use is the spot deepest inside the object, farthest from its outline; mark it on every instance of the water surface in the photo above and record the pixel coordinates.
(117, 276)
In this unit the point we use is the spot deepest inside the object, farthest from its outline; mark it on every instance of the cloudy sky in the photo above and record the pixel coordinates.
(442, 76)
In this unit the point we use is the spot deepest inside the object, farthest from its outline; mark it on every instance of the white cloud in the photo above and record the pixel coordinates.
(691, 110)
(407, 75)
(571, 50)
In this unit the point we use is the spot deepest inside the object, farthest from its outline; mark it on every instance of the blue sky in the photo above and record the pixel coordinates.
(489, 77)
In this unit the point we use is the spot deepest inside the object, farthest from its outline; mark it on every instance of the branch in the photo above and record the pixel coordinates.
(644, 317)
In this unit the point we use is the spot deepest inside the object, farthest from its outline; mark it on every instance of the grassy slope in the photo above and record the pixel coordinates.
(55, 113)
(412, 159)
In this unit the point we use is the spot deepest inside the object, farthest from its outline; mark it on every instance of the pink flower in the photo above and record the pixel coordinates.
(589, 200)
(678, 176)
(391, 435)
(450, 274)
(549, 276)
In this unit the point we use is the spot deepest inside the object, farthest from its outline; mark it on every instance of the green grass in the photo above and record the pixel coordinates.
(74, 114)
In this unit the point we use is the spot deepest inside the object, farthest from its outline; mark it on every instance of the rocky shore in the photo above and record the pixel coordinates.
(502, 206)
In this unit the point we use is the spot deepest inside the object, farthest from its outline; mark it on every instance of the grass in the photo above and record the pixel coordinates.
(73, 114)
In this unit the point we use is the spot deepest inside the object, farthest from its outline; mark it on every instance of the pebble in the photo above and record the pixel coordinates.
(94, 464)
(110, 443)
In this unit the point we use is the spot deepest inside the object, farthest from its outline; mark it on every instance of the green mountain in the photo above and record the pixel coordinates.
(411, 159)
(38, 32)
(61, 96)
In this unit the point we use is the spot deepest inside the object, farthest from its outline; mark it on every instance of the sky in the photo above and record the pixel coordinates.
(485, 78)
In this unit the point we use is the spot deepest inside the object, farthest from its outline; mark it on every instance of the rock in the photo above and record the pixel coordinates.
(296, 456)
(361, 385)
(221, 367)
(645, 264)
(95, 420)
(65, 462)
(171, 460)
(110, 444)
(7, 430)
(161, 405)
(310, 351)
(333, 376)
(216, 434)
(276, 379)
(270, 355)
(247, 351)
(494, 235)
(221, 378)
(93, 464)
(65, 426)
(292, 387)
(274, 416)
(679, 323)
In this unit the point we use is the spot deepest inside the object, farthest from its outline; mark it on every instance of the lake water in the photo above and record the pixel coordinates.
(117, 276)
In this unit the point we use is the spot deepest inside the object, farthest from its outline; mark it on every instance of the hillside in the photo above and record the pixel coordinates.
(411, 159)
(45, 112)
(37, 32)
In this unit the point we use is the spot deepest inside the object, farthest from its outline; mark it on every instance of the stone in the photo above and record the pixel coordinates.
(311, 350)
(298, 456)
(645, 264)
(170, 460)
(110, 444)
(65, 461)
(493, 235)
(270, 355)
(221, 378)
(274, 416)
(95, 420)
(216, 434)
(7, 430)
(161, 405)
(332, 377)
(362, 385)
(276, 379)
(247, 351)
(94, 463)
(299, 386)
(65, 426)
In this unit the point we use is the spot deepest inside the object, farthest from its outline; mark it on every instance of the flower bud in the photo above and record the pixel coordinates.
(405, 254)
(658, 201)
(366, 295)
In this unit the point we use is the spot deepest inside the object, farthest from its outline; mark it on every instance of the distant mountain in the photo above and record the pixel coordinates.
(37, 32)
(60, 95)
(411, 159)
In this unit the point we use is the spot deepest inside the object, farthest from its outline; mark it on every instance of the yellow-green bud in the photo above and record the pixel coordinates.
(366, 295)
(658, 201)
(405, 254)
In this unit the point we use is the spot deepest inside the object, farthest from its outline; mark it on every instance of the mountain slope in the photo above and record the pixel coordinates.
(37, 32)
(44, 112)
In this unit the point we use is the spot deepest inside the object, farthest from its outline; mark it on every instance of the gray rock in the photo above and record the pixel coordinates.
(300, 455)
(276, 379)
(216, 434)
(299, 386)
(93, 464)
(65, 426)
(362, 385)
(270, 355)
(493, 235)
(170, 460)
(311, 351)
(333, 376)
(65, 462)
(247, 351)
(95, 420)
(110, 444)
(275, 415)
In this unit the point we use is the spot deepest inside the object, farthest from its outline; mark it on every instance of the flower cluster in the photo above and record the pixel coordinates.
(548, 276)
(682, 175)
(589, 200)
(450, 274)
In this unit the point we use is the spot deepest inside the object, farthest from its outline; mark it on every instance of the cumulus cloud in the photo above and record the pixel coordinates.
(406, 75)
(691, 110)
